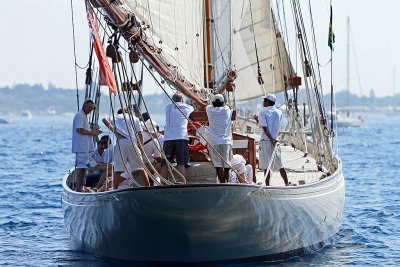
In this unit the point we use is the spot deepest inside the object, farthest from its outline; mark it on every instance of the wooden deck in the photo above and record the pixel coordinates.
(298, 168)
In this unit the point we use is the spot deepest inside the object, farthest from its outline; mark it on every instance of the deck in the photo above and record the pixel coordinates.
(298, 168)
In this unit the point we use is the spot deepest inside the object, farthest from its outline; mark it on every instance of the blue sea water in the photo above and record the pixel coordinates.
(35, 154)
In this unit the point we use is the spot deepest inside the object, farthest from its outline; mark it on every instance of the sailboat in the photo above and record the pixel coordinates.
(201, 47)
(394, 109)
(342, 116)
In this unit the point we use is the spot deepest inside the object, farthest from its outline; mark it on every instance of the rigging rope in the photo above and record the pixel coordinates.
(260, 79)
(191, 122)
(73, 37)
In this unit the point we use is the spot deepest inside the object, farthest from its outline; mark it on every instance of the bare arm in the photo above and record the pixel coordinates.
(273, 141)
(94, 132)
(256, 118)
(141, 138)
(108, 124)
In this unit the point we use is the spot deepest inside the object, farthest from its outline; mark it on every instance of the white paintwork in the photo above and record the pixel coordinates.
(200, 223)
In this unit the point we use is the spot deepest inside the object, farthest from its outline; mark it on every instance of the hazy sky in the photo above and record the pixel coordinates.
(36, 43)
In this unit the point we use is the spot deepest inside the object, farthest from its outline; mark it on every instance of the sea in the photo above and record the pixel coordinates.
(35, 153)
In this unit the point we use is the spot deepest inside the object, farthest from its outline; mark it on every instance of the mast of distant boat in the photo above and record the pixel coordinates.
(348, 61)
(394, 88)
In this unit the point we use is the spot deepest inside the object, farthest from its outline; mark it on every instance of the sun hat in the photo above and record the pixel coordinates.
(150, 126)
(238, 163)
(218, 98)
(270, 97)
(120, 125)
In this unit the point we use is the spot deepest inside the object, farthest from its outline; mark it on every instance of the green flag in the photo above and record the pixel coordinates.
(331, 38)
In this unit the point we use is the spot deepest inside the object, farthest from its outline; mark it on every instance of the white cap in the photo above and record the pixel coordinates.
(120, 124)
(270, 97)
(218, 98)
(150, 126)
(238, 163)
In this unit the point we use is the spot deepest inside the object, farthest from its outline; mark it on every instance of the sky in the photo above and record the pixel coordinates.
(36, 43)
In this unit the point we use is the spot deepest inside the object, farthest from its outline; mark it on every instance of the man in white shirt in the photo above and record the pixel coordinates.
(151, 146)
(82, 141)
(269, 120)
(103, 155)
(176, 139)
(220, 136)
(240, 168)
(127, 127)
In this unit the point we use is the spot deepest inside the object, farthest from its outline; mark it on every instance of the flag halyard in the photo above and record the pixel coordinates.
(106, 76)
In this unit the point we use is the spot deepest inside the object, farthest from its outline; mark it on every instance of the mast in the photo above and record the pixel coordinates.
(348, 61)
(208, 64)
(394, 85)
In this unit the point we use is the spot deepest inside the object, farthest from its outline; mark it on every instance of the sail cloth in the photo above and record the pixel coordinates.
(177, 28)
(272, 54)
(221, 38)
(106, 76)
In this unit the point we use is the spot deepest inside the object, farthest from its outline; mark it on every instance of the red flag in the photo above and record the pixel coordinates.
(106, 76)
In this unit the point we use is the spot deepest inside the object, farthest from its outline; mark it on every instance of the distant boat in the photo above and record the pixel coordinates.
(343, 119)
(51, 111)
(343, 116)
(5, 120)
(26, 113)
(392, 111)
(349, 121)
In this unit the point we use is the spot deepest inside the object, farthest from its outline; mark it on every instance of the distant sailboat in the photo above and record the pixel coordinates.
(343, 116)
(394, 109)
(26, 113)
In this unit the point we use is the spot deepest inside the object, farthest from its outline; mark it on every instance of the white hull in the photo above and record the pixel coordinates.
(203, 223)
(349, 123)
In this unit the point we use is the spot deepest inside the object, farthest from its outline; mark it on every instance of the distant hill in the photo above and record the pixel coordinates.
(58, 101)
(41, 101)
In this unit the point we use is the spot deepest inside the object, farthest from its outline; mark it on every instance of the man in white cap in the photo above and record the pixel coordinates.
(220, 136)
(176, 139)
(126, 150)
(269, 120)
(151, 146)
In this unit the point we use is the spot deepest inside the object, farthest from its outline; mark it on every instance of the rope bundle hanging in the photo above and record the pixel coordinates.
(259, 78)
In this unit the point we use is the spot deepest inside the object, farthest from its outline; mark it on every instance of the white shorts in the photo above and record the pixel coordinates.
(125, 152)
(225, 151)
(81, 160)
(265, 153)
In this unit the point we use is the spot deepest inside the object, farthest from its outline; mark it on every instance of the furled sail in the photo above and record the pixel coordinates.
(251, 22)
(177, 28)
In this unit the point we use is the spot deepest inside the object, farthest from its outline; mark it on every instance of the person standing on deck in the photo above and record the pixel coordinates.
(220, 136)
(126, 149)
(151, 147)
(269, 120)
(176, 139)
(82, 142)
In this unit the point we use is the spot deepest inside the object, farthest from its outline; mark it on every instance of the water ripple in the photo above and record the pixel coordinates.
(32, 231)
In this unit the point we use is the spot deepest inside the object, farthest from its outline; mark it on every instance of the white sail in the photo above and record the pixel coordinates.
(221, 37)
(177, 28)
(255, 21)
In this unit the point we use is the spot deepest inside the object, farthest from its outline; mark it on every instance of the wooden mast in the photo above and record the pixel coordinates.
(208, 56)
(209, 79)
